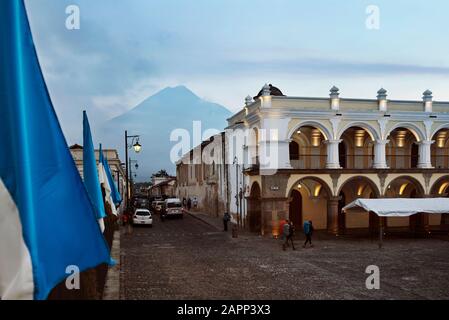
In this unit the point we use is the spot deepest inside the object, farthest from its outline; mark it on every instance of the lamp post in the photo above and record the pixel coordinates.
(137, 147)
(131, 173)
(236, 163)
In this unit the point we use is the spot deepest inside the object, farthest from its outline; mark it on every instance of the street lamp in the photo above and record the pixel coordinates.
(137, 148)
(131, 173)
(236, 163)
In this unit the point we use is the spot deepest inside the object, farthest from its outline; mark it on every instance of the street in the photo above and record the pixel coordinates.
(189, 259)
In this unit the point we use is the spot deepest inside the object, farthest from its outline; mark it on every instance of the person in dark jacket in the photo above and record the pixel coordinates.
(226, 219)
(285, 234)
(189, 204)
(308, 231)
(291, 234)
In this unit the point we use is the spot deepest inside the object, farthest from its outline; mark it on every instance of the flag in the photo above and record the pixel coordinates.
(47, 223)
(103, 169)
(90, 173)
(115, 194)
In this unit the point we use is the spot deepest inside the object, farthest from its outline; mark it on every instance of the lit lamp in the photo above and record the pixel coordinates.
(137, 147)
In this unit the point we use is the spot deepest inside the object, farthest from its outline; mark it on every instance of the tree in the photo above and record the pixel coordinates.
(161, 173)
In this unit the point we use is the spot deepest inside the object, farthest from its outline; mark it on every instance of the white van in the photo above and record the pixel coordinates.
(173, 208)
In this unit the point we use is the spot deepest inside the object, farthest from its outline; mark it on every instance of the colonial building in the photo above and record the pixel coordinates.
(112, 156)
(201, 175)
(164, 188)
(305, 158)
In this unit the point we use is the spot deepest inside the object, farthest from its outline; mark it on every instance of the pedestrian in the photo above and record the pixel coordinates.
(226, 219)
(184, 202)
(308, 230)
(285, 234)
(189, 204)
(291, 234)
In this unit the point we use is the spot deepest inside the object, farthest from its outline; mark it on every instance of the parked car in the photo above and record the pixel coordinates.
(143, 216)
(172, 208)
(157, 206)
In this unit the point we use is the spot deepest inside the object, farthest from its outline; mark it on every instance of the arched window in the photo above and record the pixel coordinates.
(294, 150)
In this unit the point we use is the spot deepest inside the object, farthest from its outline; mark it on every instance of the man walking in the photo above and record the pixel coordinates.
(291, 234)
(285, 234)
(308, 230)
(226, 219)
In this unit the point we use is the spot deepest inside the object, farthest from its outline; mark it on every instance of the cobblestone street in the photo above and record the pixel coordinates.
(189, 259)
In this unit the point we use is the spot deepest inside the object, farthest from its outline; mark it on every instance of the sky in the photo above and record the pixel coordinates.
(224, 50)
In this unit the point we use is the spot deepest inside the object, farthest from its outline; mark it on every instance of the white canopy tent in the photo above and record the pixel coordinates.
(398, 207)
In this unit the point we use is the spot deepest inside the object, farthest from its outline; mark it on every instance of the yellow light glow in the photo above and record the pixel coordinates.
(443, 187)
(359, 138)
(360, 191)
(400, 138)
(441, 139)
(402, 189)
(316, 193)
(299, 186)
(316, 137)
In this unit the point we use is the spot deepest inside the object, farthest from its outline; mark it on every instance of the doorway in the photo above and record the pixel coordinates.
(295, 214)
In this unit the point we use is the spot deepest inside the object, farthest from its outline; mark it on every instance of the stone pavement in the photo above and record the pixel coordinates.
(189, 259)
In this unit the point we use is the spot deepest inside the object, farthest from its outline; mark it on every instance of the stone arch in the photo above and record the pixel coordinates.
(351, 191)
(441, 127)
(434, 190)
(370, 182)
(416, 183)
(315, 194)
(316, 179)
(413, 128)
(315, 124)
(372, 131)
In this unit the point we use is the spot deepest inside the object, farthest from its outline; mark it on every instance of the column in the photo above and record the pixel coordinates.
(380, 158)
(425, 161)
(333, 159)
(332, 215)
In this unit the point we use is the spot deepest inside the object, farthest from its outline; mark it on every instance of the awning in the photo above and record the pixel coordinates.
(400, 207)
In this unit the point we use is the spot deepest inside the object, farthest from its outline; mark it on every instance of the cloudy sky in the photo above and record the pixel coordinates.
(226, 49)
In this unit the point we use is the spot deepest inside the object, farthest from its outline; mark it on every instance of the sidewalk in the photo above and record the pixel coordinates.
(217, 223)
(112, 286)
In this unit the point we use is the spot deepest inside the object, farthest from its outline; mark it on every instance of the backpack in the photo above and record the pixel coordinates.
(306, 227)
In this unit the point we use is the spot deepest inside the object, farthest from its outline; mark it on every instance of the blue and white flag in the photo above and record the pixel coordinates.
(90, 173)
(115, 194)
(47, 222)
(103, 169)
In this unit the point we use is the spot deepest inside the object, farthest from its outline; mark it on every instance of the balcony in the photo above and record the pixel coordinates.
(365, 162)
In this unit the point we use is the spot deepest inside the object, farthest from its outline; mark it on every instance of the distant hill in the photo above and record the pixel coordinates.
(154, 120)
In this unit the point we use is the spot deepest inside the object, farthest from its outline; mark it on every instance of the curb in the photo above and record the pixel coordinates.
(112, 285)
